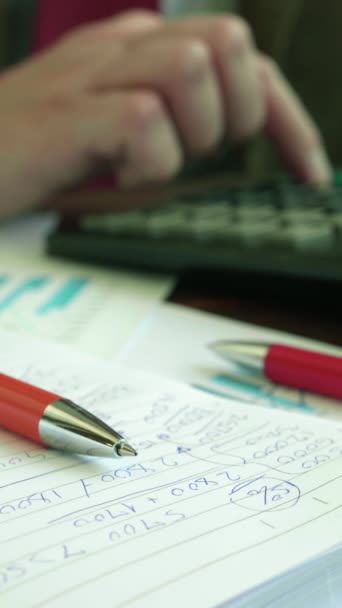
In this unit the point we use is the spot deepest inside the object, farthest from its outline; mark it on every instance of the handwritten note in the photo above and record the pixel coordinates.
(222, 498)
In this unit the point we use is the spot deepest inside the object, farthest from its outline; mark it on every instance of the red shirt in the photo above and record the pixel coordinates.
(54, 17)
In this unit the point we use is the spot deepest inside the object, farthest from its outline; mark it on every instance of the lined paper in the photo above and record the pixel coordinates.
(221, 499)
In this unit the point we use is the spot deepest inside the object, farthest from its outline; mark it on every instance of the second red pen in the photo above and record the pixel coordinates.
(288, 365)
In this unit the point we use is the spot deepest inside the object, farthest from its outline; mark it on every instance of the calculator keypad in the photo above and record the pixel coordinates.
(292, 217)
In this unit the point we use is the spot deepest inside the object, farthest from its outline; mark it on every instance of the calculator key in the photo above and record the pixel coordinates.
(164, 223)
(216, 228)
(211, 210)
(258, 232)
(304, 216)
(312, 236)
(116, 223)
(246, 213)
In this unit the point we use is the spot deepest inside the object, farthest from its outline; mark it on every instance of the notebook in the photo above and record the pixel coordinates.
(225, 505)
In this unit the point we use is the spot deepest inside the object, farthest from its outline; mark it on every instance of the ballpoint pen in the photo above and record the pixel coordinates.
(288, 365)
(53, 421)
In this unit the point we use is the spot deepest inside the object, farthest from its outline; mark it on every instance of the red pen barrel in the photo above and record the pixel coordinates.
(22, 405)
(306, 370)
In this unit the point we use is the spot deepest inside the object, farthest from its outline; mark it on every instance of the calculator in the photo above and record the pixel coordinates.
(280, 227)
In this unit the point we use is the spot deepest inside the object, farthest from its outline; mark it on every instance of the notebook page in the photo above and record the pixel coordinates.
(221, 498)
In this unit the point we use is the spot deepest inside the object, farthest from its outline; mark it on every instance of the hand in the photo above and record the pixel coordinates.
(139, 93)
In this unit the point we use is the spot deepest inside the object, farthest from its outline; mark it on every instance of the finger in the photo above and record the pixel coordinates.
(125, 26)
(131, 130)
(291, 128)
(182, 73)
(231, 47)
(94, 49)
(132, 23)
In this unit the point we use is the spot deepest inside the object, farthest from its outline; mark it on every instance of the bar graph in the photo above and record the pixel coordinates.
(20, 290)
(95, 310)
(63, 296)
(263, 393)
(53, 305)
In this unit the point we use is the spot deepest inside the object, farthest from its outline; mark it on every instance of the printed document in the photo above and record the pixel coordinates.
(91, 309)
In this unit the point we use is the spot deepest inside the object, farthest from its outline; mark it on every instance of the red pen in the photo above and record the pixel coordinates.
(53, 421)
(288, 365)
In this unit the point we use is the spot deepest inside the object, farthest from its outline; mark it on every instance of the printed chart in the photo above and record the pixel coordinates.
(94, 310)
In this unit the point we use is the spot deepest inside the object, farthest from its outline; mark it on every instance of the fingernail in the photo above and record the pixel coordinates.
(318, 167)
(239, 37)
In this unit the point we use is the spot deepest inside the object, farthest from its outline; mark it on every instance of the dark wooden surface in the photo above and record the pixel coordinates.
(313, 310)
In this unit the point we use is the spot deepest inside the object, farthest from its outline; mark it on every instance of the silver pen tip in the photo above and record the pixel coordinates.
(124, 449)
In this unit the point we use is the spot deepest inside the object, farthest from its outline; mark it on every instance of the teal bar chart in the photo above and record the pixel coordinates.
(47, 304)
(19, 293)
(262, 393)
(63, 296)
(20, 290)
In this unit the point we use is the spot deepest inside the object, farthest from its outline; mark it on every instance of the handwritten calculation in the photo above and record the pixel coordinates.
(213, 483)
